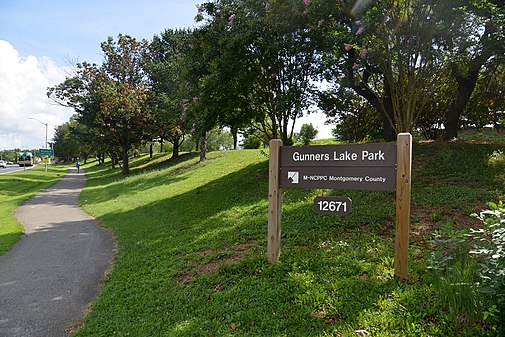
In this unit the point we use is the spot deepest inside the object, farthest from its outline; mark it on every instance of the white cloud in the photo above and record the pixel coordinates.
(23, 87)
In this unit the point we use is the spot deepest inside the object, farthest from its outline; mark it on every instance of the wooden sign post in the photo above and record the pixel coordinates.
(403, 192)
(373, 166)
(274, 202)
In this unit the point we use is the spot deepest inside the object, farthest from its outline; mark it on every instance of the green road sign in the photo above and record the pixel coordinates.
(46, 152)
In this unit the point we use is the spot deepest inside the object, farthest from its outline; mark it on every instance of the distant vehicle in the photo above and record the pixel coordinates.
(3, 164)
(25, 159)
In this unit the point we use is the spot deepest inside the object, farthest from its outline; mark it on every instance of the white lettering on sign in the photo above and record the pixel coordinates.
(297, 156)
(372, 156)
(375, 179)
(339, 156)
(346, 179)
(315, 178)
(346, 155)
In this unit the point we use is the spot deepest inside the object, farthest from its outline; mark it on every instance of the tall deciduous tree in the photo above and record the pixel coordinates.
(112, 98)
(272, 55)
(474, 36)
(168, 76)
(385, 53)
(398, 54)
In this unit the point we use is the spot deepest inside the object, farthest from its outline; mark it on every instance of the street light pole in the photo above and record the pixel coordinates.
(38, 120)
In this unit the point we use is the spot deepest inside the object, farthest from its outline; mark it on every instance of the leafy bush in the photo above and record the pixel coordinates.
(307, 133)
(497, 158)
(453, 272)
(468, 267)
(489, 253)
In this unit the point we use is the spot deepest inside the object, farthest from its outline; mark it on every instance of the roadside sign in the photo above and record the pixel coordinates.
(45, 159)
(332, 205)
(369, 166)
(46, 152)
(372, 166)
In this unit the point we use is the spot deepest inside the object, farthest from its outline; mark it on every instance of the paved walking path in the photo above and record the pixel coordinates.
(51, 275)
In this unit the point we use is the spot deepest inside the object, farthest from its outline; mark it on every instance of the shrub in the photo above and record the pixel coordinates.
(468, 267)
(307, 133)
(489, 253)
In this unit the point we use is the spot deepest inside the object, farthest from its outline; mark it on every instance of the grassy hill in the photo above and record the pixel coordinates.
(192, 244)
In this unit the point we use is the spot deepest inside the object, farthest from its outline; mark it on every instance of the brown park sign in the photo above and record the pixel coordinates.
(373, 166)
(369, 166)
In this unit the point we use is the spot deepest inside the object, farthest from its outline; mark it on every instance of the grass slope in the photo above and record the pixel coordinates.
(192, 244)
(16, 188)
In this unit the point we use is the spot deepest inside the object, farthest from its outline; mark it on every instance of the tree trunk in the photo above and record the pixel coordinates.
(126, 168)
(203, 147)
(175, 149)
(234, 133)
(389, 132)
(151, 151)
(466, 85)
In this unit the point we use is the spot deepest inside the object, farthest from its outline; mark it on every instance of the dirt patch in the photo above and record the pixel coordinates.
(426, 220)
(212, 260)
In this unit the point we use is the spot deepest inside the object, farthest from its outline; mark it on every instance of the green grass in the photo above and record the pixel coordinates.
(192, 244)
(15, 188)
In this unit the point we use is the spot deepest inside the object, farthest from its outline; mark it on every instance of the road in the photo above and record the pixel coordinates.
(13, 168)
(50, 276)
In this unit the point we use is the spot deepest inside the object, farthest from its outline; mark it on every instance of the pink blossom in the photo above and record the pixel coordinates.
(320, 22)
(363, 52)
(359, 31)
(231, 19)
(347, 46)
(307, 2)
(358, 22)
(305, 12)
(355, 66)
(268, 6)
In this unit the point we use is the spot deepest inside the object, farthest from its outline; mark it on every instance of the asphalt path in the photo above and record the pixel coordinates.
(52, 274)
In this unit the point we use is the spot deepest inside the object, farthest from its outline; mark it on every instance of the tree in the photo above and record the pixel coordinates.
(168, 81)
(271, 55)
(83, 93)
(307, 133)
(385, 53)
(400, 55)
(112, 100)
(474, 37)
(70, 141)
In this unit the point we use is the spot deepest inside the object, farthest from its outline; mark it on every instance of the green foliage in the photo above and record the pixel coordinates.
(468, 267)
(251, 143)
(263, 60)
(453, 272)
(359, 125)
(307, 133)
(497, 158)
(489, 253)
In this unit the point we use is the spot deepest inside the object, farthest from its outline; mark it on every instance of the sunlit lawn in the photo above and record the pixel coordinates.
(192, 244)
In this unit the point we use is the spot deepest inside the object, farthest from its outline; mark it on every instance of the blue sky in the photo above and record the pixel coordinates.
(70, 29)
(40, 39)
